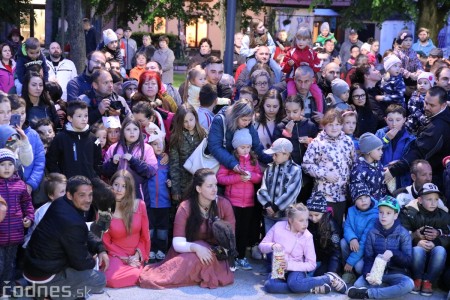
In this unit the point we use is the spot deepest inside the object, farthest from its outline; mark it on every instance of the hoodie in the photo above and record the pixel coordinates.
(75, 153)
(23, 62)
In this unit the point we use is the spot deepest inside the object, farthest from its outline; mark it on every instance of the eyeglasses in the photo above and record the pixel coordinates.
(97, 62)
(359, 97)
(261, 83)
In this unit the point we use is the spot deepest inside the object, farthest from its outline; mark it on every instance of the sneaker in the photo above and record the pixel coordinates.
(417, 286)
(427, 289)
(160, 255)
(349, 277)
(256, 254)
(321, 289)
(357, 293)
(152, 256)
(337, 283)
(243, 264)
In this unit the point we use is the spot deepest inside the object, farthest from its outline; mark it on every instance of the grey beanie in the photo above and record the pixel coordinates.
(368, 142)
(325, 25)
(242, 137)
(339, 86)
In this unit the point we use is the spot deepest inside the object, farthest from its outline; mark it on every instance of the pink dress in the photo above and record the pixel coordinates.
(119, 244)
(184, 269)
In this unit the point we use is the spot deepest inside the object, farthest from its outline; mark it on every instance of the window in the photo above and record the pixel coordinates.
(37, 27)
(196, 29)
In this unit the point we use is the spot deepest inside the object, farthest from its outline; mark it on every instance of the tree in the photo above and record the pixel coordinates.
(15, 12)
(76, 34)
(431, 14)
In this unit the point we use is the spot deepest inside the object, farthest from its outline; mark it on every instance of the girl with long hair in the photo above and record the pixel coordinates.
(186, 135)
(127, 240)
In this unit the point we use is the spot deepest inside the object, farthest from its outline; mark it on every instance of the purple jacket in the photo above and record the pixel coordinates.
(14, 191)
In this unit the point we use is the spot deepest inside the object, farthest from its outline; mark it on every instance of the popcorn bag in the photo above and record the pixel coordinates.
(377, 271)
(277, 269)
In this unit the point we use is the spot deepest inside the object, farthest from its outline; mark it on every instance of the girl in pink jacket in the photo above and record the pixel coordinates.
(295, 243)
(240, 190)
(132, 154)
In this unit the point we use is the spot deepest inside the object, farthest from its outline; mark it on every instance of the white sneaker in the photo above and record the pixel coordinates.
(160, 255)
(152, 255)
(256, 254)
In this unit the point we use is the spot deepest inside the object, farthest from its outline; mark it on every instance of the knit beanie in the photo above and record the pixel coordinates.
(390, 61)
(6, 154)
(128, 83)
(402, 35)
(109, 36)
(357, 190)
(242, 137)
(368, 142)
(428, 76)
(325, 26)
(317, 202)
(339, 86)
(366, 46)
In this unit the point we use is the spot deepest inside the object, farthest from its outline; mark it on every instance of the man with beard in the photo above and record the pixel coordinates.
(102, 100)
(82, 83)
(433, 141)
(60, 69)
(330, 72)
(424, 43)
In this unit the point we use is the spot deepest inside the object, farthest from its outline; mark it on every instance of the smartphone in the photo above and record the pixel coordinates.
(15, 120)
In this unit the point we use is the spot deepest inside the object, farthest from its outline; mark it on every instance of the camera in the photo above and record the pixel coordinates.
(116, 105)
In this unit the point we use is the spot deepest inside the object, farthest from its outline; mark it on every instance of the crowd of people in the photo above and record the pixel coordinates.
(320, 162)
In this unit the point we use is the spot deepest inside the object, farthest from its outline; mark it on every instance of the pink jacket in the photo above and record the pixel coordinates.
(298, 248)
(240, 193)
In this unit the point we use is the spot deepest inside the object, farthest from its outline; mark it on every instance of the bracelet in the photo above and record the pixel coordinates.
(385, 140)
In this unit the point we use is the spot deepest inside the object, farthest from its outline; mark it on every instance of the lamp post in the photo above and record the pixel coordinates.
(229, 38)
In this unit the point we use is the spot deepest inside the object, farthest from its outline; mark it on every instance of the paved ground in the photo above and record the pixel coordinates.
(247, 285)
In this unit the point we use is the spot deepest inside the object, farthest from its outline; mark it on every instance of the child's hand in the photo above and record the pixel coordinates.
(164, 159)
(291, 62)
(29, 189)
(169, 183)
(26, 222)
(379, 97)
(116, 158)
(354, 245)
(387, 175)
(332, 177)
(3, 209)
(277, 247)
(392, 133)
(317, 116)
(127, 156)
(290, 126)
(427, 245)
(431, 234)
(417, 235)
(348, 268)
(270, 211)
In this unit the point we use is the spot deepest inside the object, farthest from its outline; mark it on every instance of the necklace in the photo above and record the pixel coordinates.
(204, 210)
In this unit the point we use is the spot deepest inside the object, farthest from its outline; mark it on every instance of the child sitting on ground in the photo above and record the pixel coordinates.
(390, 240)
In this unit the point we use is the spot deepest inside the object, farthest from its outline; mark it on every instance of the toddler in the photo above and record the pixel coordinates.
(392, 83)
(339, 97)
(196, 78)
(416, 117)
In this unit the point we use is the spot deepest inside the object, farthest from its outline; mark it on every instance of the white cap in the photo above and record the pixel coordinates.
(281, 145)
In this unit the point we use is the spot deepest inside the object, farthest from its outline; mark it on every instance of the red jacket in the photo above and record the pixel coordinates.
(305, 55)
(240, 194)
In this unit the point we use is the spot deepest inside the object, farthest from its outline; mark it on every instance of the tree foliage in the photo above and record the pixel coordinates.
(15, 11)
(431, 14)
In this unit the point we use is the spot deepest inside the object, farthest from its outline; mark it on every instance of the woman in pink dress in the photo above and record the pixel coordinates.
(128, 238)
(190, 261)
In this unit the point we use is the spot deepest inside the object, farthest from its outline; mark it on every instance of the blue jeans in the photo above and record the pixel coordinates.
(268, 223)
(345, 249)
(428, 265)
(7, 265)
(297, 282)
(394, 285)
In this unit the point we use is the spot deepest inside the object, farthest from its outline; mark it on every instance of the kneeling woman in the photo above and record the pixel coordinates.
(293, 237)
(128, 238)
(190, 261)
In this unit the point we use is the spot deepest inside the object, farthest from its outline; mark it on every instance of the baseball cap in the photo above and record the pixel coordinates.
(353, 31)
(111, 122)
(429, 188)
(389, 202)
(280, 145)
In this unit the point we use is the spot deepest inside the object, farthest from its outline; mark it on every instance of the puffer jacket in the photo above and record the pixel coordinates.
(240, 193)
(357, 226)
(298, 248)
(396, 239)
(33, 173)
(415, 216)
(23, 62)
(15, 193)
(368, 176)
(7, 78)
(178, 155)
(326, 154)
(158, 191)
(141, 165)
